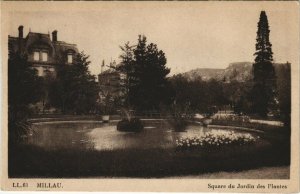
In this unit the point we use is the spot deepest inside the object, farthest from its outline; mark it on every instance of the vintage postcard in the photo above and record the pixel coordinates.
(150, 96)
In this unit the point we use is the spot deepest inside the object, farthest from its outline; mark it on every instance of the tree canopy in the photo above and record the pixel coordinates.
(23, 82)
(145, 68)
(74, 89)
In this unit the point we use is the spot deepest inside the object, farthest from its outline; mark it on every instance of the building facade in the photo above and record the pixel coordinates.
(110, 83)
(43, 53)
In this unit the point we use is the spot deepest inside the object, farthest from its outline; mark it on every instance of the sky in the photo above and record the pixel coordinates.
(192, 34)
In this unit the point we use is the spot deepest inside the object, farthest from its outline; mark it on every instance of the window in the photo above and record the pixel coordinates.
(44, 56)
(70, 58)
(36, 56)
(40, 71)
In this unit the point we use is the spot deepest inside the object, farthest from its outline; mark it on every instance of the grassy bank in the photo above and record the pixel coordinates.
(30, 161)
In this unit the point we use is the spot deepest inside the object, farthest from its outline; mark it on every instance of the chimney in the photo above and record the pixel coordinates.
(20, 31)
(54, 36)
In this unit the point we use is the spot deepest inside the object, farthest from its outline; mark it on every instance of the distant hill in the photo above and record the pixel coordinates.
(205, 74)
(237, 71)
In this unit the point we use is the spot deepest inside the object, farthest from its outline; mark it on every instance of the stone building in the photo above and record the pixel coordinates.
(44, 54)
(110, 83)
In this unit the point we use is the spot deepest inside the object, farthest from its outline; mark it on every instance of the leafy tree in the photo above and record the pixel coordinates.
(60, 90)
(181, 88)
(200, 95)
(264, 89)
(216, 94)
(22, 81)
(45, 87)
(241, 97)
(23, 89)
(284, 92)
(75, 89)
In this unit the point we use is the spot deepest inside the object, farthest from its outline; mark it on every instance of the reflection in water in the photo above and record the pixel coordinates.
(100, 136)
(63, 135)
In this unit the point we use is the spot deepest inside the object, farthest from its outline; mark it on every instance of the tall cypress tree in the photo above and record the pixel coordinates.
(263, 46)
(264, 88)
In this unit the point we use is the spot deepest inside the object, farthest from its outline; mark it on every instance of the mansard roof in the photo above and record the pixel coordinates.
(33, 40)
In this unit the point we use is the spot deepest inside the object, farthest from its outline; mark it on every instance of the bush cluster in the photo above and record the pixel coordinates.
(231, 117)
(132, 125)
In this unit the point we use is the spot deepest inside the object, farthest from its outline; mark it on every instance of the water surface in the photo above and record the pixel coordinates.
(100, 136)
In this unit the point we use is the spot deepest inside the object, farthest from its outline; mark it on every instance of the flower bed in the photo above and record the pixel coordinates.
(215, 140)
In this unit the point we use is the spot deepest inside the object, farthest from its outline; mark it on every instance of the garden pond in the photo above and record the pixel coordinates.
(99, 136)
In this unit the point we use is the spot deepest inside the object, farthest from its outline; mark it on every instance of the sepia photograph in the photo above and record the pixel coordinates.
(102, 95)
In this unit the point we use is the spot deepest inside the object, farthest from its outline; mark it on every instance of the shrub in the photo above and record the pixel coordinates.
(180, 115)
(231, 117)
(18, 126)
(132, 125)
(178, 123)
(19, 131)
